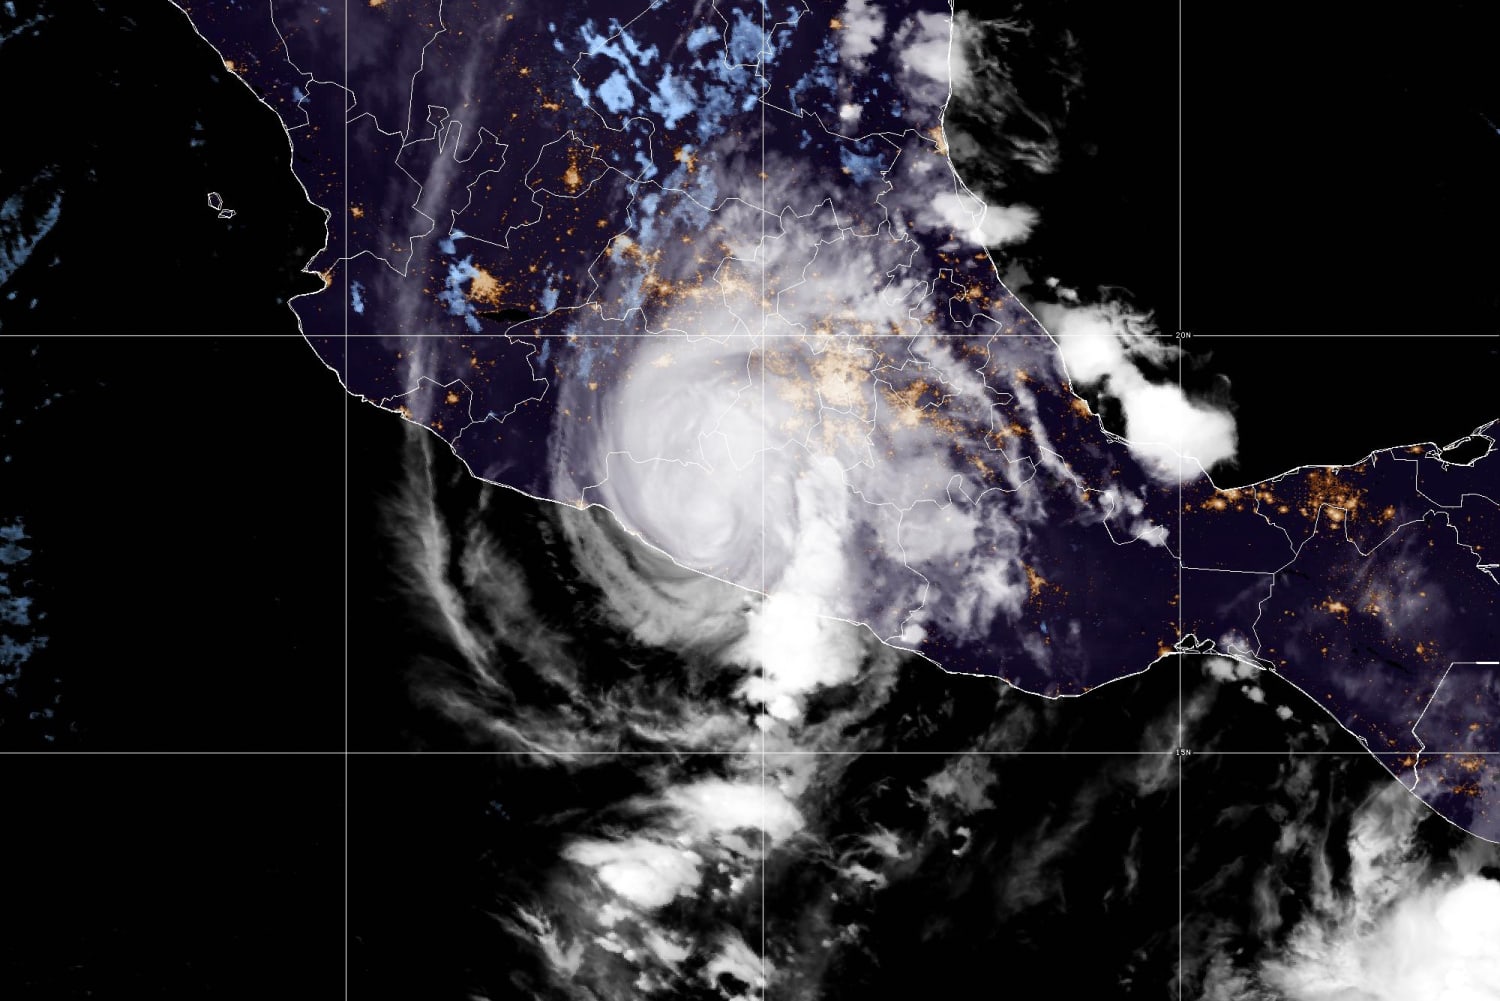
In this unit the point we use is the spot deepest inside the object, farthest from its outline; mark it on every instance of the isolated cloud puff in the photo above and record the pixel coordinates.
(988, 225)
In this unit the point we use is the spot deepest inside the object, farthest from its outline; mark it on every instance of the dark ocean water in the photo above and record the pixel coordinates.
(171, 470)
(175, 474)
(1331, 179)
(1029, 831)
(171, 446)
(155, 123)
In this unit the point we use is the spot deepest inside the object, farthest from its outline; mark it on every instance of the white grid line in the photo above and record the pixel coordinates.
(346, 753)
(1181, 548)
(760, 79)
(344, 272)
(677, 752)
(945, 335)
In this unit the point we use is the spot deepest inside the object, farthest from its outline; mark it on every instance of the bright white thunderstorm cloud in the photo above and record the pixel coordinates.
(988, 225)
(645, 872)
(650, 870)
(1439, 943)
(1401, 929)
(1099, 345)
(802, 479)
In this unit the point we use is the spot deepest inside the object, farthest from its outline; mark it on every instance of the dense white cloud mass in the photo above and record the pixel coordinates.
(798, 374)
(1099, 341)
(643, 892)
(986, 225)
(1395, 926)
(797, 651)
(1440, 943)
(1099, 345)
(925, 44)
(862, 24)
(644, 872)
(717, 805)
(1163, 424)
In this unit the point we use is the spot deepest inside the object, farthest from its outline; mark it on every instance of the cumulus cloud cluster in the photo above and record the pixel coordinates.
(928, 57)
(986, 225)
(1440, 942)
(789, 423)
(1101, 342)
(862, 23)
(1399, 924)
(1100, 345)
(648, 897)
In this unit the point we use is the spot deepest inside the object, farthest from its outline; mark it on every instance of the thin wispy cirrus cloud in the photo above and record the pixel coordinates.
(1439, 942)
(1100, 345)
(1100, 341)
(1403, 926)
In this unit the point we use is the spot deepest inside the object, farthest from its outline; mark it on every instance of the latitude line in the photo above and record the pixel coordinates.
(817, 338)
(678, 752)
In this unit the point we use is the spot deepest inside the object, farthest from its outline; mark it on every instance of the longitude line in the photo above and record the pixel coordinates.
(344, 249)
(760, 76)
(1181, 548)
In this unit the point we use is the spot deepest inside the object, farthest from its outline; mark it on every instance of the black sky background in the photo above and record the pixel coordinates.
(1339, 213)
(173, 877)
(182, 482)
(1339, 165)
(1341, 224)
(184, 496)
